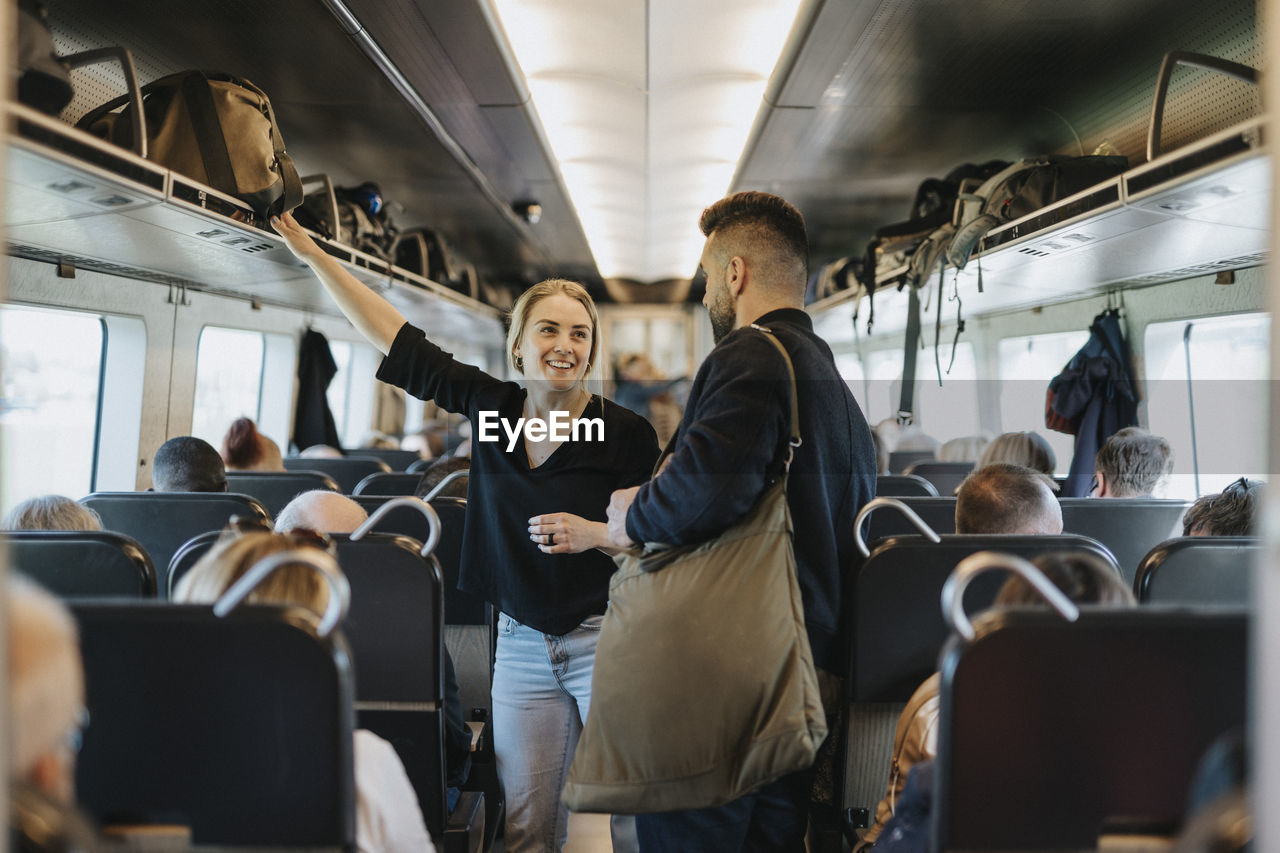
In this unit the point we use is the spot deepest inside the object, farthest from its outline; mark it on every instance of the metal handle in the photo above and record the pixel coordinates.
(907, 511)
(332, 198)
(324, 565)
(453, 475)
(433, 521)
(121, 55)
(1195, 60)
(975, 564)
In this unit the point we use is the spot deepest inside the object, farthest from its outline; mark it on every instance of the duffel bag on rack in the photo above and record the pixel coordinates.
(214, 128)
(425, 252)
(354, 216)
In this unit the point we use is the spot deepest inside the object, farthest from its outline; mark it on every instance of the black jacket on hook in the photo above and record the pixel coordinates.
(1093, 397)
(313, 422)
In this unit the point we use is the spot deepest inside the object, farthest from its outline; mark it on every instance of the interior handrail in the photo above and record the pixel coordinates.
(323, 563)
(975, 564)
(449, 478)
(910, 514)
(433, 521)
(1195, 60)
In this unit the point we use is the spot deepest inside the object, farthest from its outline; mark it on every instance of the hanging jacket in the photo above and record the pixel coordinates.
(313, 422)
(1093, 397)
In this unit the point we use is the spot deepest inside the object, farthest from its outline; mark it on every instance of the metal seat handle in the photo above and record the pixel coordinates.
(449, 478)
(323, 564)
(433, 521)
(910, 514)
(975, 564)
(1194, 60)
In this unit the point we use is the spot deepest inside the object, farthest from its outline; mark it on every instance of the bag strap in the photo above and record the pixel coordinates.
(288, 172)
(207, 128)
(906, 398)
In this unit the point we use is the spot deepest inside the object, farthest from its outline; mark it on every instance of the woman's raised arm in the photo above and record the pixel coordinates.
(374, 317)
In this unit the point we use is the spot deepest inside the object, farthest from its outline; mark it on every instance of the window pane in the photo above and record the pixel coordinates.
(1026, 366)
(338, 393)
(228, 381)
(1229, 362)
(49, 406)
(943, 412)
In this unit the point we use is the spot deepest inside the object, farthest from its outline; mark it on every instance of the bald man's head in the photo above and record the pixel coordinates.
(1003, 498)
(328, 512)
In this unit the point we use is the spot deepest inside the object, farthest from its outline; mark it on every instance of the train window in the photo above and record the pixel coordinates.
(944, 412)
(351, 394)
(1026, 366)
(228, 380)
(52, 366)
(1207, 394)
(339, 388)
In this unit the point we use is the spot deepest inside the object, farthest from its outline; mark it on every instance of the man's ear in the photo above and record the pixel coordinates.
(1103, 485)
(736, 275)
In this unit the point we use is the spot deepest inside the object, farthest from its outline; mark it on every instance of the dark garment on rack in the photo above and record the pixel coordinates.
(313, 422)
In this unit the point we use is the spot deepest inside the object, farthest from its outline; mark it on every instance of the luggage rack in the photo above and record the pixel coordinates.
(152, 224)
(1197, 210)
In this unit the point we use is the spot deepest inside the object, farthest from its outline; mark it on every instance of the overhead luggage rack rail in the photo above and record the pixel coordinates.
(1197, 209)
(73, 198)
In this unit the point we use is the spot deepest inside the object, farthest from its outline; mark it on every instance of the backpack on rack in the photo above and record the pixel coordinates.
(425, 252)
(1023, 188)
(214, 128)
(354, 216)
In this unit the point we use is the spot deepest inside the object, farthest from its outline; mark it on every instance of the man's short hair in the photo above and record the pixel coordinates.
(188, 464)
(46, 680)
(764, 227)
(1134, 461)
(323, 510)
(1229, 513)
(440, 469)
(1003, 498)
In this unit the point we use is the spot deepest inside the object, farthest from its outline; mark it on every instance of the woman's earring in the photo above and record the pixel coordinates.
(519, 362)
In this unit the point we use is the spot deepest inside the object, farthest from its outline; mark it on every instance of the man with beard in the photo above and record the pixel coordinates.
(729, 448)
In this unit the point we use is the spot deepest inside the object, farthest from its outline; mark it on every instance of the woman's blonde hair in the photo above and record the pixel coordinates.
(524, 307)
(229, 559)
(51, 512)
(1028, 449)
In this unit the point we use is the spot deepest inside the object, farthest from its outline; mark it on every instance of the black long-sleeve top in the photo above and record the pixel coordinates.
(729, 446)
(553, 593)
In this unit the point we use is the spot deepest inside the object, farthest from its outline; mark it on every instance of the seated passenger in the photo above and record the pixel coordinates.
(1028, 449)
(320, 451)
(1232, 512)
(51, 512)
(321, 510)
(1002, 498)
(1082, 577)
(1131, 464)
(440, 469)
(387, 813)
(964, 449)
(188, 464)
(246, 449)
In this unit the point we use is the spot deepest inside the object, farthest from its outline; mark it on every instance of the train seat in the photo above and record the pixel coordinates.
(390, 484)
(937, 512)
(901, 460)
(904, 485)
(1198, 570)
(1130, 527)
(945, 476)
(83, 563)
(898, 630)
(346, 471)
(163, 521)
(1053, 732)
(238, 727)
(397, 460)
(274, 489)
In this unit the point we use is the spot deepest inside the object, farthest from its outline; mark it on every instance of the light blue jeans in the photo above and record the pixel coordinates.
(541, 695)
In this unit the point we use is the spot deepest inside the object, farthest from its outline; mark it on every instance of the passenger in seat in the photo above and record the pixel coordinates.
(1028, 449)
(1232, 512)
(321, 509)
(437, 471)
(387, 813)
(1004, 498)
(51, 512)
(1082, 577)
(1131, 464)
(188, 464)
(535, 543)
(246, 449)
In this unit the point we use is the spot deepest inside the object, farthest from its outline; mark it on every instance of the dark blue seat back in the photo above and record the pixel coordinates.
(393, 484)
(1072, 726)
(898, 625)
(904, 485)
(162, 521)
(346, 471)
(274, 489)
(901, 460)
(83, 563)
(945, 476)
(397, 460)
(1198, 570)
(937, 512)
(238, 727)
(1130, 527)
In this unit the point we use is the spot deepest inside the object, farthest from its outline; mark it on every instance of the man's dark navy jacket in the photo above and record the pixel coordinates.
(730, 445)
